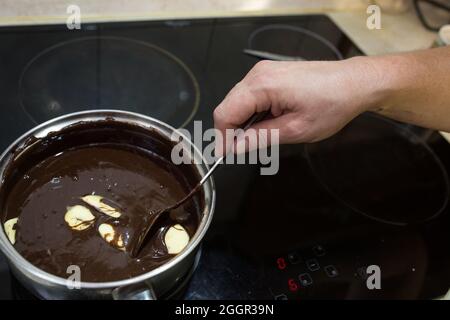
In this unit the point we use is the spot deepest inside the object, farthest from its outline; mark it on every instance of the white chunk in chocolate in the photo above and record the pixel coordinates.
(97, 202)
(176, 239)
(10, 229)
(109, 234)
(79, 218)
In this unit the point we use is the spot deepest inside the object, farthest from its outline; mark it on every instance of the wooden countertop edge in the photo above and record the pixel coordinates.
(86, 18)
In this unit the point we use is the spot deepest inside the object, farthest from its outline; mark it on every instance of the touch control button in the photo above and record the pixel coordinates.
(331, 271)
(312, 264)
(319, 250)
(305, 279)
(294, 258)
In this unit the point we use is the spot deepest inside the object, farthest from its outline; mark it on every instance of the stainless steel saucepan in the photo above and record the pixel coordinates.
(151, 285)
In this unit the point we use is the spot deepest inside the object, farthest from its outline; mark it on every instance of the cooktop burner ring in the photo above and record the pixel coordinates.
(35, 96)
(408, 135)
(304, 32)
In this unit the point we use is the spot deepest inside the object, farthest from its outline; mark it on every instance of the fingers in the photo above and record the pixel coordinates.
(237, 107)
(262, 89)
(248, 97)
(282, 129)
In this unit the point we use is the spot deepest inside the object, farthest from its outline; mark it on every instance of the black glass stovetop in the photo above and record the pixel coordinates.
(376, 194)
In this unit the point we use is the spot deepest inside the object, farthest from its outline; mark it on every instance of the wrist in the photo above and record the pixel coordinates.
(373, 83)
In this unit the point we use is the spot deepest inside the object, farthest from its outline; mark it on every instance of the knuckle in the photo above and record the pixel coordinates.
(262, 79)
(296, 129)
(263, 65)
(261, 82)
(261, 74)
(237, 86)
(237, 89)
(217, 114)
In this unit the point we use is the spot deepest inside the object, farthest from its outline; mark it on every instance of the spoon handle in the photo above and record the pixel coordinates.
(253, 119)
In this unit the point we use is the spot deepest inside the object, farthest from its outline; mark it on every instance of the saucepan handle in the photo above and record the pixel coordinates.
(138, 291)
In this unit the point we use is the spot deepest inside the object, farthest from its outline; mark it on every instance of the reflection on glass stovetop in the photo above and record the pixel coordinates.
(273, 237)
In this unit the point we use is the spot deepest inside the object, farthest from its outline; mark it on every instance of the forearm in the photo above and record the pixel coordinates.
(412, 87)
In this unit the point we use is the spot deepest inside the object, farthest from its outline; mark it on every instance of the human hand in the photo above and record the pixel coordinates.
(308, 101)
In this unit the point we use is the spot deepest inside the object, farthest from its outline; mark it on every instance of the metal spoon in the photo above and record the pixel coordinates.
(136, 248)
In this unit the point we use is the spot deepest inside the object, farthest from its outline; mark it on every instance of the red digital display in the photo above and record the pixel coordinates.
(293, 286)
(281, 263)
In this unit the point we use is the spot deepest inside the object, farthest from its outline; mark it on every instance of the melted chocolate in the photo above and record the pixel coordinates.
(128, 165)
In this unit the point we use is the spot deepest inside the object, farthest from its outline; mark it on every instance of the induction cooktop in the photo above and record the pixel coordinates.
(376, 194)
